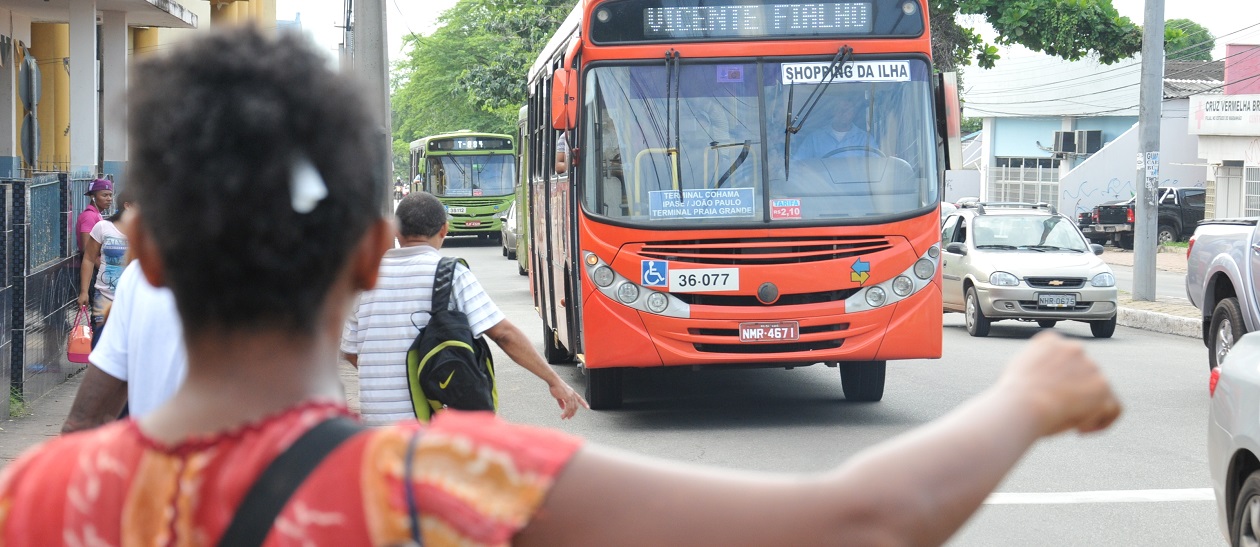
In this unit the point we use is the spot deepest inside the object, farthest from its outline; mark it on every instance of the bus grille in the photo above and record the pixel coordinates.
(769, 250)
(478, 202)
(735, 346)
(710, 299)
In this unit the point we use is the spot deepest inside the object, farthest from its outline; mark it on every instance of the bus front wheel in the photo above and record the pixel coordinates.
(603, 388)
(863, 381)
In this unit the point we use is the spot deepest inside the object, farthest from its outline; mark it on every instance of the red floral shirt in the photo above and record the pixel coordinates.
(477, 481)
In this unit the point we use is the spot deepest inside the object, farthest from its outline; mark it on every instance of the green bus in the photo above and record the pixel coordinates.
(474, 175)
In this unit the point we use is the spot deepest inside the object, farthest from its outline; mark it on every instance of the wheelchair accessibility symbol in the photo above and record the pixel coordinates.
(655, 273)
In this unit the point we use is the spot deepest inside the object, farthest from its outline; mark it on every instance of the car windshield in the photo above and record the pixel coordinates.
(712, 144)
(473, 175)
(1045, 233)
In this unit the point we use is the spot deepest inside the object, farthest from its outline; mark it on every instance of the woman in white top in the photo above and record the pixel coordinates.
(107, 248)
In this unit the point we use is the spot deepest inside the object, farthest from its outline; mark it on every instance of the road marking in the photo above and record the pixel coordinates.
(1100, 496)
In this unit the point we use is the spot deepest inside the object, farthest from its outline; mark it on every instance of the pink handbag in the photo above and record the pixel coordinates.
(80, 343)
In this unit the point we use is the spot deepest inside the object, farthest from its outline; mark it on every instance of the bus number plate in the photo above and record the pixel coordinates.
(704, 280)
(472, 223)
(456, 210)
(777, 331)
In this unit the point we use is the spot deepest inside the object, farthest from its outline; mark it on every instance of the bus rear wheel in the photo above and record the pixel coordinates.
(863, 381)
(552, 349)
(603, 388)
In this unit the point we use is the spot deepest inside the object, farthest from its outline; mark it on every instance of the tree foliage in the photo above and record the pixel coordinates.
(470, 73)
(1186, 40)
(1069, 29)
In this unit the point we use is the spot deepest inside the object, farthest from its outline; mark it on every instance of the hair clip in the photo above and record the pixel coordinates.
(306, 186)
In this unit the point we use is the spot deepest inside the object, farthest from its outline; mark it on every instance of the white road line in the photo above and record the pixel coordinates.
(1100, 496)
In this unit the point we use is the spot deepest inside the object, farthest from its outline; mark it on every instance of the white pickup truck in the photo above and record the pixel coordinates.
(1222, 273)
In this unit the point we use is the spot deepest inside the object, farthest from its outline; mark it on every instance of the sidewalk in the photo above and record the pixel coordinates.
(1167, 316)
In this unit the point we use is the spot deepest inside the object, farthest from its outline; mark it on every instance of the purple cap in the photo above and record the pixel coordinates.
(99, 184)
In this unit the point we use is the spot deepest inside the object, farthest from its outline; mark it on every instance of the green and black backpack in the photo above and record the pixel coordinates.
(447, 367)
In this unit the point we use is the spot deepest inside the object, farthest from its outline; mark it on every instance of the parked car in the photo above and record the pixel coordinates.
(1024, 262)
(1221, 270)
(507, 232)
(1180, 210)
(1233, 441)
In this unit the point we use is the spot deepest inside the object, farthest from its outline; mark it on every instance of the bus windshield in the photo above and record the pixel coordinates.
(710, 143)
(471, 175)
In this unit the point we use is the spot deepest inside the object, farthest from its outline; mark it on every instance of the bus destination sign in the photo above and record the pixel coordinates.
(794, 19)
(470, 143)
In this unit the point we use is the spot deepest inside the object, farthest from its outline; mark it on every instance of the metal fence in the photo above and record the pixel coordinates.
(42, 276)
(6, 295)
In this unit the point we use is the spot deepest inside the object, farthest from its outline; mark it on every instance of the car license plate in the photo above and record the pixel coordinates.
(1056, 300)
(456, 210)
(776, 331)
(472, 224)
(1109, 228)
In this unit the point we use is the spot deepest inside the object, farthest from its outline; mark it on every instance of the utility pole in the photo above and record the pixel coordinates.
(1146, 211)
(370, 61)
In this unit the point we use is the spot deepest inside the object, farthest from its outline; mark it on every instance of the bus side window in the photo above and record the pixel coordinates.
(562, 151)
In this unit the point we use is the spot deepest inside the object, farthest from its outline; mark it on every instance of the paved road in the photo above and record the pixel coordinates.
(1168, 285)
(797, 421)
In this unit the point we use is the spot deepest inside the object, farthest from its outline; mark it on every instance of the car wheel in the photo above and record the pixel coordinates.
(521, 269)
(1244, 523)
(863, 381)
(603, 388)
(1167, 234)
(1047, 323)
(1226, 328)
(503, 250)
(552, 349)
(511, 254)
(1104, 328)
(977, 323)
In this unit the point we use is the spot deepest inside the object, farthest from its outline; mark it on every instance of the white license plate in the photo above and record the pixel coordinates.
(472, 224)
(456, 210)
(1109, 228)
(776, 331)
(704, 280)
(1056, 300)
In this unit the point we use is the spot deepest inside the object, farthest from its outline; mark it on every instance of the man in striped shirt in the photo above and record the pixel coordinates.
(386, 320)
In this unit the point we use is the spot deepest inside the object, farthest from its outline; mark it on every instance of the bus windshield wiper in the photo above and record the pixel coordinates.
(463, 174)
(673, 90)
(796, 121)
(743, 155)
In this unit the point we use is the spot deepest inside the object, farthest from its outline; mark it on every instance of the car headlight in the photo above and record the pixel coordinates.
(924, 268)
(627, 292)
(603, 276)
(1104, 279)
(876, 297)
(1003, 279)
(657, 302)
(902, 285)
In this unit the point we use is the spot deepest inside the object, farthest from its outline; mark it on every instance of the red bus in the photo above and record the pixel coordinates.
(746, 183)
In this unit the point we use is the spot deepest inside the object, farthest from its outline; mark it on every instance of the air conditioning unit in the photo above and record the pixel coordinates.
(1088, 141)
(1065, 141)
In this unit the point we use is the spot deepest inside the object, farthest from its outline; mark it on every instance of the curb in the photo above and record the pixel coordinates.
(1160, 322)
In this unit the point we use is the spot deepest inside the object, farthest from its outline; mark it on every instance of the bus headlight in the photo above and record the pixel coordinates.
(657, 302)
(924, 268)
(876, 297)
(1104, 279)
(902, 285)
(603, 276)
(627, 292)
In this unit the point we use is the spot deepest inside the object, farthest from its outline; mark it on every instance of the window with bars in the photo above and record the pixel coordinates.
(1028, 180)
(1251, 191)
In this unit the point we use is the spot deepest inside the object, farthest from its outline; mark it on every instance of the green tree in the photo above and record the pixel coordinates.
(1070, 29)
(470, 73)
(1186, 40)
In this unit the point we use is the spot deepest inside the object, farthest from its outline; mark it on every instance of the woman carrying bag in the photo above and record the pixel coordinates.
(106, 247)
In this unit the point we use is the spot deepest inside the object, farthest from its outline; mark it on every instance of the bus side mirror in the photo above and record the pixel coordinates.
(564, 99)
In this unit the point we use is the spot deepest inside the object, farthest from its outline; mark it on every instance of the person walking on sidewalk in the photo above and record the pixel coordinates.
(263, 284)
(387, 319)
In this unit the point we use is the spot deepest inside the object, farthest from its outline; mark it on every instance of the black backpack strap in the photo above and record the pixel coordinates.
(443, 281)
(271, 491)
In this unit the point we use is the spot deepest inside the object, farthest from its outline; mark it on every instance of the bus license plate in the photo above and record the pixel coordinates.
(456, 210)
(1056, 300)
(472, 224)
(777, 331)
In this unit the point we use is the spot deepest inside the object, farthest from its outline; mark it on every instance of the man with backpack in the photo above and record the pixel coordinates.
(385, 320)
